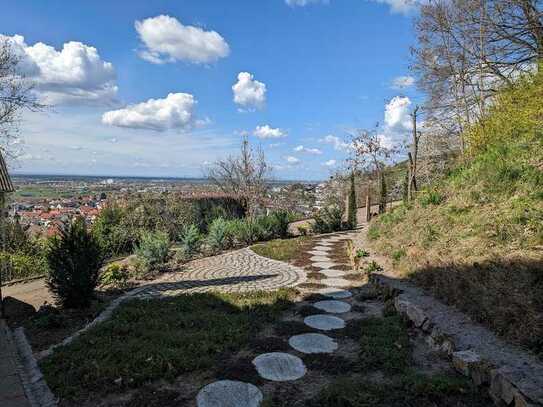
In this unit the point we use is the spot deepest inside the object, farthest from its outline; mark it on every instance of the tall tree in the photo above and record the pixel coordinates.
(244, 176)
(16, 93)
(352, 206)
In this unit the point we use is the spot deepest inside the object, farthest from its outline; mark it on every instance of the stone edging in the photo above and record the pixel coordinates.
(512, 376)
(36, 389)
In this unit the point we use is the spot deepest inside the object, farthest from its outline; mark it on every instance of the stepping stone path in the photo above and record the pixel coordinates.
(279, 367)
(324, 322)
(284, 367)
(313, 343)
(228, 393)
(333, 306)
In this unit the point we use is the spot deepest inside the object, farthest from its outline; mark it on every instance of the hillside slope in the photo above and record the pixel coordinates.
(475, 238)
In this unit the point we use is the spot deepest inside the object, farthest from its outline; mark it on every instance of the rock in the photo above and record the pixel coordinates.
(324, 264)
(228, 393)
(319, 258)
(413, 312)
(335, 282)
(464, 360)
(279, 367)
(332, 273)
(313, 343)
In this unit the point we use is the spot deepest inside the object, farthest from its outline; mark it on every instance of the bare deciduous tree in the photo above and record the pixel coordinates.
(16, 94)
(244, 176)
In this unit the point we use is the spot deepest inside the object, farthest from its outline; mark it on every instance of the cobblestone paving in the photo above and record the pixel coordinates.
(238, 271)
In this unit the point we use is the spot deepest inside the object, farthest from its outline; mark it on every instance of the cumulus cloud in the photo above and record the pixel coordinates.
(307, 150)
(264, 132)
(402, 82)
(248, 92)
(303, 3)
(397, 117)
(330, 163)
(336, 142)
(292, 160)
(176, 111)
(76, 73)
(165, 40)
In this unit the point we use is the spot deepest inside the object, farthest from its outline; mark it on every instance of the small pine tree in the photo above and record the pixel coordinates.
(75, 259)
(352, 207)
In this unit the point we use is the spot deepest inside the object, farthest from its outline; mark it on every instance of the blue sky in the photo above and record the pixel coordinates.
(310, 71)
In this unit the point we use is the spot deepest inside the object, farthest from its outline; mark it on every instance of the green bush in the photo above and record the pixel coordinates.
(329, 219)
(219, 236)
(190, 240)
(114, 275)
(20, 265)
(246, 231)
(430, 198)
(152, 250)
(75, 259)
(280, 222)
(114, 237)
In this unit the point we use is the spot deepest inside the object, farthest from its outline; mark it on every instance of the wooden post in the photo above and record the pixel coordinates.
(368, 204)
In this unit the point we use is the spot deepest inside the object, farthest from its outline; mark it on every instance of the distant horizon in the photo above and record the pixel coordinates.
(105, 176)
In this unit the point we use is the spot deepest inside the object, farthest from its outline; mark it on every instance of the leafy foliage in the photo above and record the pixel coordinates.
(190, 240)
(75, 258)
(329, 219)
(115, 275)
(152, 250)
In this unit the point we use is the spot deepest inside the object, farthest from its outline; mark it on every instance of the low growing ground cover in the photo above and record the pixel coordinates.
(282, 249)
(147, 340)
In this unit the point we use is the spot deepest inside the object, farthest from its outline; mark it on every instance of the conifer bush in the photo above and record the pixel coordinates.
(190, 240)
(74, 258)
(152, 250)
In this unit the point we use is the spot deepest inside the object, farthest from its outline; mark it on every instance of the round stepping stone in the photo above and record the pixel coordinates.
(332, 273)
(319, 258)
(322, 248)
(324, 322)
(228, 393)
(324, 264)
(333, 306)
(318, 252)
(313, 343)
(335, 282)
(335, 293)
(279, 367)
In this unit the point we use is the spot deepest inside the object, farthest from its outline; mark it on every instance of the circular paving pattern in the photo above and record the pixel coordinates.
(333, 306)
(228, 393)
(335, 293)
(324, 322)
(279, 367)
(237, 271)
(313, 343)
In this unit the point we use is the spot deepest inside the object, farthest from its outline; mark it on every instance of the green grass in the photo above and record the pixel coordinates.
(408, 390)
(147, 340)
(281, 249)
(474, 237)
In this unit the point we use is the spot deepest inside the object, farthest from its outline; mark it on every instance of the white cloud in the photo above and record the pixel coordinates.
(248, 92)
(303, 3)
(165, 39)
(176, 111)
(335, 141)
(397, 117)
(74, 74)
(402, 82)
(307, 150)
(292, 160)
(330, 163)
(266, 131)
(400, 6)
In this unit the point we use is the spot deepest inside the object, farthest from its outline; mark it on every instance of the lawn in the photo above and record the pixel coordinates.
(147, 340)
(282, 249)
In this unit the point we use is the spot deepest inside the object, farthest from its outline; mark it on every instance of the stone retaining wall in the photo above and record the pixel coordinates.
(512, 376)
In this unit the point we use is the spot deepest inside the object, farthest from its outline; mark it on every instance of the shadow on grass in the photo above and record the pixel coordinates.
(506, 295)
(149, 340)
